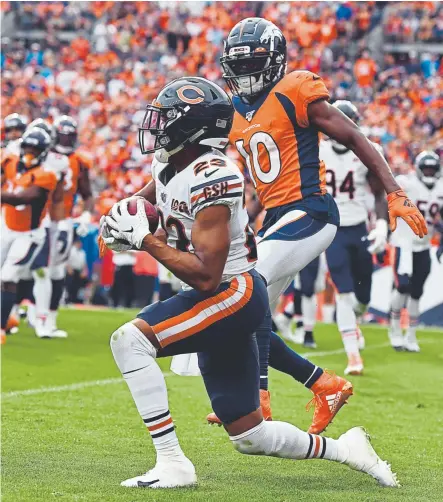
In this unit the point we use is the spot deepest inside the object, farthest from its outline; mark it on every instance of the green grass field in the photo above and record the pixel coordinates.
(70, 430)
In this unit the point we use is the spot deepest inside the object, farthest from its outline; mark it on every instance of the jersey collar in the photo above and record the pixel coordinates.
(245, 108)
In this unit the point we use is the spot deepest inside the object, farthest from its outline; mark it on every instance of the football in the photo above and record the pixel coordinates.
(151, 213)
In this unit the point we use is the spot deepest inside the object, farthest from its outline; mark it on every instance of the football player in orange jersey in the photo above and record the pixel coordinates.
(76, 180)
(27, 191)
(276, 127)
(14, 126)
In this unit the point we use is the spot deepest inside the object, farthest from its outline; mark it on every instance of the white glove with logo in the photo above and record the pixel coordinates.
(127, 227)
(111, 242)
(83, 223)
(378, 236)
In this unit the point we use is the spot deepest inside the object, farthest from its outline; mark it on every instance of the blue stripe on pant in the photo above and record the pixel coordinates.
(227, 349)
(350, 263)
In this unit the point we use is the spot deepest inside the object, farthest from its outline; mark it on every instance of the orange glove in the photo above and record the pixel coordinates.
(400, 206)
(101, 246)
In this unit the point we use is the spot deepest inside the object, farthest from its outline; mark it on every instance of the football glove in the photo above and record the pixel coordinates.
(400, 206)
(83, 223)
(106, 240)
(378, 236)
(127, 227)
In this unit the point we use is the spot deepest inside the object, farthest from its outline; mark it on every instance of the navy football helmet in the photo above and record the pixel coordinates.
(351, 112)
(34, 147)
(14, 121)
(254, 57)
(189, 110)
(41, 124)
(428, 167)
(64, 134)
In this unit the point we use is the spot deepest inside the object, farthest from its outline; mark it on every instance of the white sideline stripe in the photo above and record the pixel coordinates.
(112, 381)
(67, 388)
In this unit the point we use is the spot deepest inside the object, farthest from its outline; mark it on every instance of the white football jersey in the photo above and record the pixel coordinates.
(211, 179)
(429, 201)
(346, 182)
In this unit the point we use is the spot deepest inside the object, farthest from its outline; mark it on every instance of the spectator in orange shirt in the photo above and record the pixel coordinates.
(365, 70)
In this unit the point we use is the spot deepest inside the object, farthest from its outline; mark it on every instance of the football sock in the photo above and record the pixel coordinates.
(281, 439)
(135, 357)
(414, 315)
(289, 310)
(398, 301)
(42, 292)
(297, 302)
(263, 342)
(8, 301)
(309, 309)
(347, 322)
(284, 359)
(57, 293)
(328, 313)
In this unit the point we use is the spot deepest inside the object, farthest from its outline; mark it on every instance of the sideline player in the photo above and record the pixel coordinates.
(276, 127)
(200, 194)
(76, 180)
(349, 256)
(27, 192)
(412, 262)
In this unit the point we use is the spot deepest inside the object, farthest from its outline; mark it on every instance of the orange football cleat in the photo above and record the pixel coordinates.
(330, 393)
(265, 403)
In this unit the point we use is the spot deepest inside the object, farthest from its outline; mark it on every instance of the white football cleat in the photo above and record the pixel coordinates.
(355, 365)
(362, 457)
(165, 475)
(58, 333)
(396, 339)
(283, 324)
(42, 330)
(410, 342)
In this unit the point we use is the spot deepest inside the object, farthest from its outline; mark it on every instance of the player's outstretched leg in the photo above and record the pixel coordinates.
(281, 439)
(135, 357)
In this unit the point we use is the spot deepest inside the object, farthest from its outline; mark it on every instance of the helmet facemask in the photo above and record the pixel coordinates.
(429, 175)
(248, 75)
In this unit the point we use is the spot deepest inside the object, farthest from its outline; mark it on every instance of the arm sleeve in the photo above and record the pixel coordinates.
(222, 186)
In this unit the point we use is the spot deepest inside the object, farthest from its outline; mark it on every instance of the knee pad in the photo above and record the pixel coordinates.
(252, 442)
(348, 299)
(130, 347)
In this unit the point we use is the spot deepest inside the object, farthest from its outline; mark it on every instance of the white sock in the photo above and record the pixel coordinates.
(309, 309)
(398, 301)
(289, 309)
(42, 292)
(135, 357)
(414, 314)
(30, 314)
(328, 313)
(347, 322)
(281, 439)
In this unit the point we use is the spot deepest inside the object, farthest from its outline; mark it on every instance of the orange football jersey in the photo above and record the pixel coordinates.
(279, 145)
(77, 163)
(27, 216)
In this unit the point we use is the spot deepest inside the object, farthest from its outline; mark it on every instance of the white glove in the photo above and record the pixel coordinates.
(112, 243)
(128, 227)
(378, 236)
(83, 220)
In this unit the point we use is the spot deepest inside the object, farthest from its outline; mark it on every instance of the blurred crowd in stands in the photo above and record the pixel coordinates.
(102, 62)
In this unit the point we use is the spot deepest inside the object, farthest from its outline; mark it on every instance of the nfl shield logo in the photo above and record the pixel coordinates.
(163, 197)
(249, 115)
